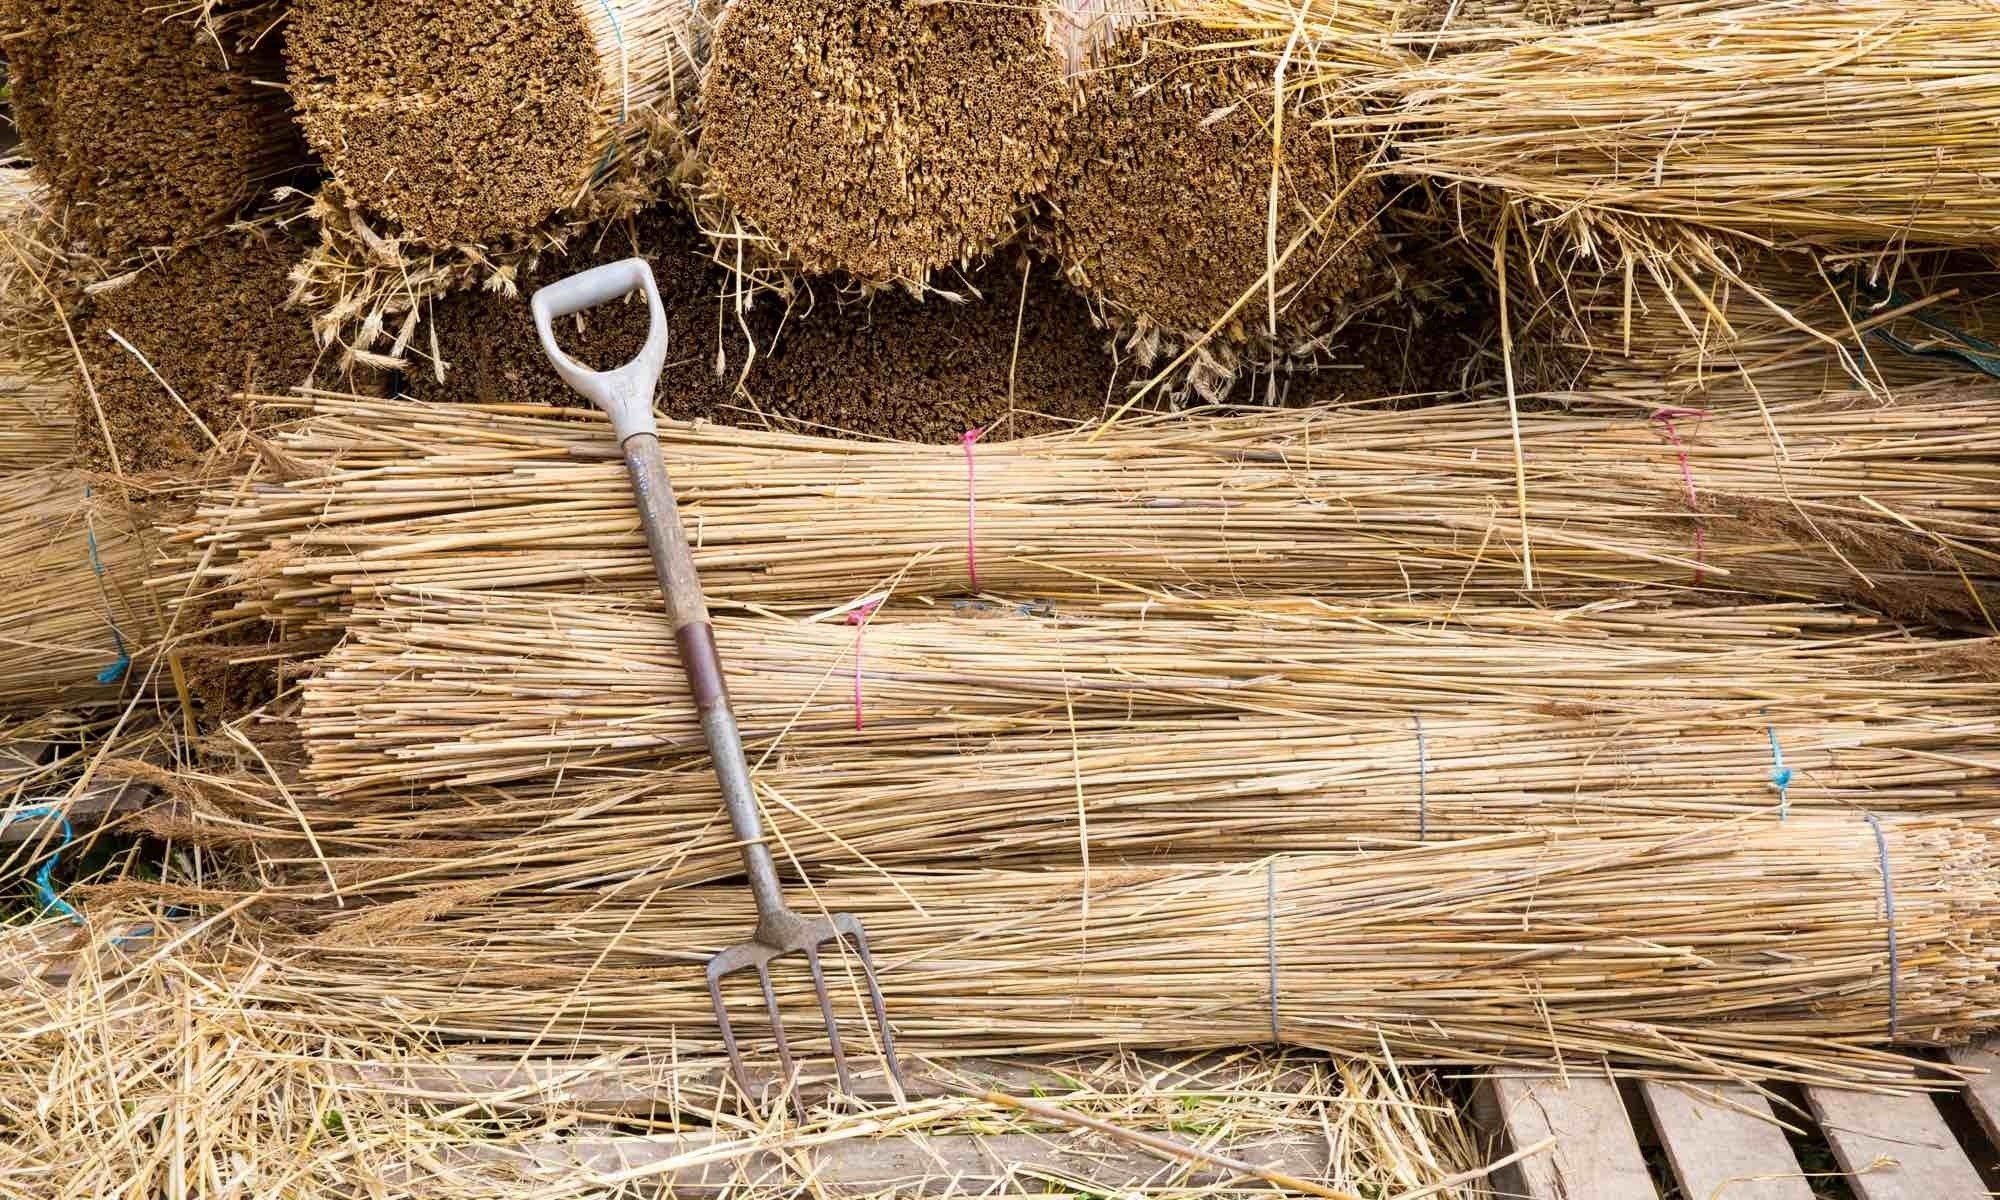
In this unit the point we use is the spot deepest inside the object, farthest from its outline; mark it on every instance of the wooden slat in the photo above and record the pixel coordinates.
(907, 1165)
(1723, 1143)
(1982, 1092)
(1596, 1153)
(1864, 1128)
(95, 806)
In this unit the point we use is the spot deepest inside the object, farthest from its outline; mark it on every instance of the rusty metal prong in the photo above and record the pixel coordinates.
(719, 966)
(826, 1011)
(786, 1073)
(850, 927)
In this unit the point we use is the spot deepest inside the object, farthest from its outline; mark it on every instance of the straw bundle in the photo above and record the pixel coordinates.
(887, 139)
(220, 1096)
(151, 127)
(1193, 211)
(465, 140)
(171, 346)
(72, 568)
(1746, 947)
(1826, 121)
(37, 422)
(1887, 503)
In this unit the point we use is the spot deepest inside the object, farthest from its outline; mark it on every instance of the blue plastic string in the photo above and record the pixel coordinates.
(1271, 939)
(1781, 775)
(123, 663)
(1423, 779)
(42, 880)
(1888, 910)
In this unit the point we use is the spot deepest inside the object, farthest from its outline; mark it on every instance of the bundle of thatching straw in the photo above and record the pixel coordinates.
(1827, 121)
(1200, 205)
(1889, 503)
(1753, 946)
(79, 624)
(150, 126)
(466, 140)
(161, 1034)
(37, 422)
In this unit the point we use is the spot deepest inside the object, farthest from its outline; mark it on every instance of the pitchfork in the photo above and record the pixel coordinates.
(626, 396)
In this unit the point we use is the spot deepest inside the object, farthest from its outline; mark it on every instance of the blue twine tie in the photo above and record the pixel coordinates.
(1889, 911)
(1423, 781)
(42, 881)
(116, 671)
(1781, 775)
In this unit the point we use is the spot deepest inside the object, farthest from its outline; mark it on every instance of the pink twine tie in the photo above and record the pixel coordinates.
(971, 508)
(1665, 417)
(859, 619)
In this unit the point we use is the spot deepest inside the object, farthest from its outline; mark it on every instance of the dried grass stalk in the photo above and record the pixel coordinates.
(1887, 503)
(37, 421)
(1828, 121)
(80, 626)
(1743, 947)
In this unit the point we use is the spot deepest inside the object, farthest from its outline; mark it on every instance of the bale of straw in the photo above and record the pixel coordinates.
(1196, 210)
(1887, 504)
(169, 347)
(466, 140)
(80, 626)
(1826, 121)
(471, 121)
(1744, 947)
(150, 126)
(37, 421)
(886, 139)
(223, 1096)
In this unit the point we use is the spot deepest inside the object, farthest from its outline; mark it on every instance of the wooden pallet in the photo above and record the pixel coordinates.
(1725, 1142)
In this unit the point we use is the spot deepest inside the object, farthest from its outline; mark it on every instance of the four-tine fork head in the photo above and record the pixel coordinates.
(784, 933)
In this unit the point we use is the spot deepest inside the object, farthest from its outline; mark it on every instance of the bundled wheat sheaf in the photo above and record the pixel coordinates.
(78, 619)
(1842, 497)
(1828, 121)
(466, 140)
(1752, 947)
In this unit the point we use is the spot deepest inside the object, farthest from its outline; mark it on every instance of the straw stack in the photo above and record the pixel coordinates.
(887, 139)
(1827, 121)
(79, 625)
(1752, 947)
(466, 139)
(1195, 210)
(1888, 504)
(150, 126)
(37, 421)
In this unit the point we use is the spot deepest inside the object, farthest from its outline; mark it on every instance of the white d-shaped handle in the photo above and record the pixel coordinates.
(624, 393)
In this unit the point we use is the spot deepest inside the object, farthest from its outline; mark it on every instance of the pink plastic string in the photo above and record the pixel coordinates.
(1665, 417)
(859, 619)
(971, 508)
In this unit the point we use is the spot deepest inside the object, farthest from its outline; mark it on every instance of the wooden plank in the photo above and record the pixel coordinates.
(639, 1085)
(1925, 1160)
(96, 806)
(1596, 1154)
(906, 1165)
(1982, 1092)
(1723, 1142)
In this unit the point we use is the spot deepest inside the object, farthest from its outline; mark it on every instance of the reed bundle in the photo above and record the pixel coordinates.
(37, 422)
(77, 616)
(1830, 121)
(1752, 946)
(1887, 502)
(888, 139)
(220, 1096)
(468, 139)
(150, 127)
(1197, 210)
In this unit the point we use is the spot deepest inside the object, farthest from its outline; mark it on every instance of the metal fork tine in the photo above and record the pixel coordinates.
(736, 1067)
(832, 1026)
(854, 931)
(777, 1025)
